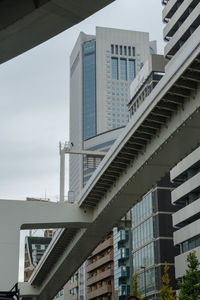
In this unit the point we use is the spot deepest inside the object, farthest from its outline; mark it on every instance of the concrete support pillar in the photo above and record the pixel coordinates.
(9, 254)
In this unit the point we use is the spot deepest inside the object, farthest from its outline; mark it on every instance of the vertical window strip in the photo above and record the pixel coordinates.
(131, 69)
(123, 69)
(115, 71)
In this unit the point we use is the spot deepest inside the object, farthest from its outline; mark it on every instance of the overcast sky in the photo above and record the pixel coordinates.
(34, 100)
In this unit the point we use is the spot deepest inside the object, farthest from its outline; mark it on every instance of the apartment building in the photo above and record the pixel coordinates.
(100, 271)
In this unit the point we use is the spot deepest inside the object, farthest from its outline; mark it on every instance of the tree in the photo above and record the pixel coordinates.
(134, 290)
(166, 292)
(190, 287)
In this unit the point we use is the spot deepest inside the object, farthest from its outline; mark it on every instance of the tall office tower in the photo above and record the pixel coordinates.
(102, 68)
(182, 19)
(187, 198)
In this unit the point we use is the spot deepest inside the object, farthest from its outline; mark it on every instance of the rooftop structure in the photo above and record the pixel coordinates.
(145, 81)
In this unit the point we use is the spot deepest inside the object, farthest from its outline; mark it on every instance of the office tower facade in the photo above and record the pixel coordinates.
(186, 196)
(152, 239)
(101, 70)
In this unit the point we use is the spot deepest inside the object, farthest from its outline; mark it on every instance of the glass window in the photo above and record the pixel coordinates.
(116, 49)
(112, 49)
(125, 50)
(131, 69)
(115, 68)
(133, 51)
(120, 50)
(129, 51)
(123, 69)
(89, 89)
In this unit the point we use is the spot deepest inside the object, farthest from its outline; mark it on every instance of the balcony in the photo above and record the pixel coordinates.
(123, 235)
(99, 262)
(124, 290)
(100, 276)
(99, 292)
(124, 253)
(124, 272)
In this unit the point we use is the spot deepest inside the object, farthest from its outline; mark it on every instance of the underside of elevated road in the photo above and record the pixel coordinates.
(162, 132)
(25, 24)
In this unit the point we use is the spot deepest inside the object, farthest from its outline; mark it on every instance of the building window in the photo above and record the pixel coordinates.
(112, 49)
(89, 89)
(190, 244)
(133, 51)
(120, 50)
(129, 51)
(131, 69)
(125, 50)
(115, 68)
(123, 69)
(143, 209)
(116, 49)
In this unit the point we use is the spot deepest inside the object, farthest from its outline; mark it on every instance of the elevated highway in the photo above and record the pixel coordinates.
(25, 24)
(163, 131)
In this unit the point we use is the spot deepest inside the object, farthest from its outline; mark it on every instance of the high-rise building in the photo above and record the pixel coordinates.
(102, 68)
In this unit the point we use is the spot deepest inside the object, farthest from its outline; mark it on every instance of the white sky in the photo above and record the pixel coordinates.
(34, 100)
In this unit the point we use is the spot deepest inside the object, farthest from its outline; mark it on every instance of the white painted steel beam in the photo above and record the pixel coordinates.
(16, 215)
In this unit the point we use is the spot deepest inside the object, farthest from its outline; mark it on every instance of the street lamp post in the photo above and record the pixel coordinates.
(145, 287)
